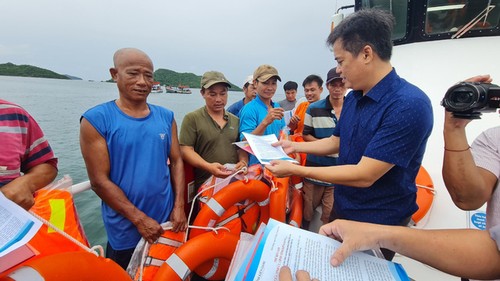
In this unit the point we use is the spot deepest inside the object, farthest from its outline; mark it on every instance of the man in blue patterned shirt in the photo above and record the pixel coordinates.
(382, 134)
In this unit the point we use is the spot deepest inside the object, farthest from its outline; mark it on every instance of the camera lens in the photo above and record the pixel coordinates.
(462, 98)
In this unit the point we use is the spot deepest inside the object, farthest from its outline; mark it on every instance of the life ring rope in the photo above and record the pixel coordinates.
(273, 189)
(214, 229)
(213, 205)
(431, 189)
(425, 198)
(97, 250)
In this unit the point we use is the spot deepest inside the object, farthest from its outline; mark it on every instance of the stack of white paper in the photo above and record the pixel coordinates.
(279, 244)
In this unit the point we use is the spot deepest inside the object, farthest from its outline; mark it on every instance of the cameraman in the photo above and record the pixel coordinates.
(471, 173)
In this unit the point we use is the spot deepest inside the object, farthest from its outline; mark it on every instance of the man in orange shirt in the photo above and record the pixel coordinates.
(313, 87)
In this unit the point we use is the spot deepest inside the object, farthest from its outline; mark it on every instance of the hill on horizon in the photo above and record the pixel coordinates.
(171, 78)
(164, 76)
(10, 69)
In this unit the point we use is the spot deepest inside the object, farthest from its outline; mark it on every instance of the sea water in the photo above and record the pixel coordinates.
(57, 106)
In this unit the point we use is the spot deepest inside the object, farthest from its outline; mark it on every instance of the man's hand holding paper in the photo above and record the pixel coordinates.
(288, 146)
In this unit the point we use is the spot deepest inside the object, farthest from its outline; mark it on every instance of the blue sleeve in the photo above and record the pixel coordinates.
(248, 120)
(96, 116)
(233, 109)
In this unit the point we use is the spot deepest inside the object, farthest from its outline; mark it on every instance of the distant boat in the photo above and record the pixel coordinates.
(181, 89)
(156, 88)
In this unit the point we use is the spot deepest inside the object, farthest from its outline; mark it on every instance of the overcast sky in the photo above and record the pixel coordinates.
(79, 37)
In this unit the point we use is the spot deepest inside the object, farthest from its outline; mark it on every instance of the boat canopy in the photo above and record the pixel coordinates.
(439, 19)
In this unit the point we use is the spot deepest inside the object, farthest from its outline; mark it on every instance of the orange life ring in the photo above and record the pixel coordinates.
(159, 252)
(254, 172)
(235, 192)
(280, 205)
(425, 195)
(244, 218)
(82, 266)
(299, 138)
(215, 269)
(278, 199)
(220, 207)
(197, 251)
(296, 181)
(237, 219)
(296, 208)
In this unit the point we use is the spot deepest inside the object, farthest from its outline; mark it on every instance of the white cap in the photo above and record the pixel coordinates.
(248, 80)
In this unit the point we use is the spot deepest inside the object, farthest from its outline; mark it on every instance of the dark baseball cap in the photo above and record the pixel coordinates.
(332, 75)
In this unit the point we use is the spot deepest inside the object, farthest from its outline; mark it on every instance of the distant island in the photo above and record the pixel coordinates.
(171, 78)
(10, 69)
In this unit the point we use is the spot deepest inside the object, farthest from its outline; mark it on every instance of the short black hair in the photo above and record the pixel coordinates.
(313, 78)
(371, 27)
(290, 85)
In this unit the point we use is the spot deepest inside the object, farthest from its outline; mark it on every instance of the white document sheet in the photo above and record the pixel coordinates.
(17, 226)
(264, 151)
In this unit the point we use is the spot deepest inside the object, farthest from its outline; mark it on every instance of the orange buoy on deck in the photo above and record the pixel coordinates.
(425, 195)
(296, 208)
(83, 266)
(197, 251)
(235, 192)
(278, 199)
(221, 210)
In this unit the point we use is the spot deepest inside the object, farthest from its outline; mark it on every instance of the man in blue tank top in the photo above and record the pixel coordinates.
(133, 159)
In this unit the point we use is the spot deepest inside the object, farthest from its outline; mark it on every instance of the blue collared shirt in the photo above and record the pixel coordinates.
(252, 114)
(236, 107)
(391, 123)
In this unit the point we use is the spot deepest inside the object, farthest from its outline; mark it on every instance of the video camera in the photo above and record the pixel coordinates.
(467, 100)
